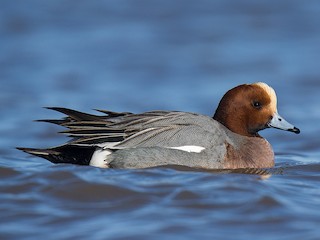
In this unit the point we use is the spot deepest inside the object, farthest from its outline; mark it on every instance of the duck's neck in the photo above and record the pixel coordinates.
(234, 122)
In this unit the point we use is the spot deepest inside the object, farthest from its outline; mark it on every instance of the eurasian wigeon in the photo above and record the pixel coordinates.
(229, 140)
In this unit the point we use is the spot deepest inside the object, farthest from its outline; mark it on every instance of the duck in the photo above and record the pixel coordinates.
(229, 139)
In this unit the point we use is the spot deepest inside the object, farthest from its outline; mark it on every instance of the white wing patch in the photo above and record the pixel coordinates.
(100, 154)
(190, 148)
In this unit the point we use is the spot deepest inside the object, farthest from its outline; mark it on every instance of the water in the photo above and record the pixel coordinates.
(146, 55)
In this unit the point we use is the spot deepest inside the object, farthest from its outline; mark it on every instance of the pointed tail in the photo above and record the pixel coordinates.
(63, 154)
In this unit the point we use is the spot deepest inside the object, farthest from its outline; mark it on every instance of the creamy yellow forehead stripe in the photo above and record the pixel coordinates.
(270, 91)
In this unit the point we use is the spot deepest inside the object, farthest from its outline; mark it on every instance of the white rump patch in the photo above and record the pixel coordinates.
(98, 158)
(190, 148)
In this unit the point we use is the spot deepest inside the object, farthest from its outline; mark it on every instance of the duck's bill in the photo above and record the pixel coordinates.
(280, 123)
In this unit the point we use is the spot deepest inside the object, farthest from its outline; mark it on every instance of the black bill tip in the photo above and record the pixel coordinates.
(295, 130)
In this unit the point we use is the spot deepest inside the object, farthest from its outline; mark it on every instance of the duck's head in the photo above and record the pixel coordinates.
(249, 108)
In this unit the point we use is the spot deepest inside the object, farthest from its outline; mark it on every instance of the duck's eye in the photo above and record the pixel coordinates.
(257, 104)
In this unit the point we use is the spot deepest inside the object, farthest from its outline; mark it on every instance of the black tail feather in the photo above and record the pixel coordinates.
(63, 154)
(76, 115)
(55, 121)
